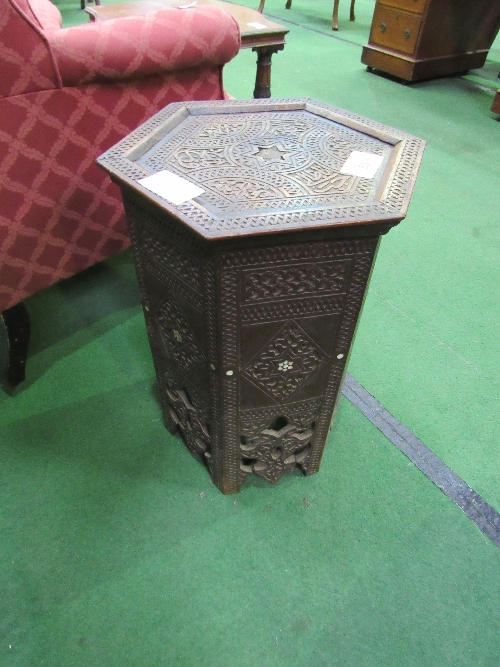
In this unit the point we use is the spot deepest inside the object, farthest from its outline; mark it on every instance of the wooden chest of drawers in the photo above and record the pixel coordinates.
(422, 39)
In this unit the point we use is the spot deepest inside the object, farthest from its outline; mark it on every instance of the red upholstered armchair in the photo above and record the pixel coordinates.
(66, 95)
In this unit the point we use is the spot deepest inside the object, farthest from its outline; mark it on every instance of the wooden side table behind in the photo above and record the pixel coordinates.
(421, 39)
(265, 40)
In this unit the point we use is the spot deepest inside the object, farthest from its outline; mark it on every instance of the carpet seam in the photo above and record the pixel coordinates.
(484, 516)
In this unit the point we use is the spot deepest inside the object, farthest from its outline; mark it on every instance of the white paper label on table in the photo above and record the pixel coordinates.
(171, 187)
(362, 164)
(258, 26)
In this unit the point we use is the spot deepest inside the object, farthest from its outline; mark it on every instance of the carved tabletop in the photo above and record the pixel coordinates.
(270, 166)
(252, 288)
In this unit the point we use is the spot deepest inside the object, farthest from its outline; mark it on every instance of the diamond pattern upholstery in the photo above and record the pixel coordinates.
(66, 95)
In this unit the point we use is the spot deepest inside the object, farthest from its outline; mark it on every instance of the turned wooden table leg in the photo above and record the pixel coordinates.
(263, 77)
(17, 325)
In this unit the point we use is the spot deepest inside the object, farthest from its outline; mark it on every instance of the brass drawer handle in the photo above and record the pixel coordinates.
(407, 34)
(383, 27)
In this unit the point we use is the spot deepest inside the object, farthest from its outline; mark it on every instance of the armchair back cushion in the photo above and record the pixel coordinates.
(67, 95)
(26, 63)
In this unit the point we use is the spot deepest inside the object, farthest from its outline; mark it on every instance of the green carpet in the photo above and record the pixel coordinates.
(116, 549)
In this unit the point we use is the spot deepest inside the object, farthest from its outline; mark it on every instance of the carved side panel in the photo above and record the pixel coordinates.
(249, 345)
(176, 284)
(289, 316)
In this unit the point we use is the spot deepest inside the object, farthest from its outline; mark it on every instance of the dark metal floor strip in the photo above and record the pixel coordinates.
(486, 518)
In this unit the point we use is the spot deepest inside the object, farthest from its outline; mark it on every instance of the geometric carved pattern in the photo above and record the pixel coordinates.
(177, 336)
(158, 248)
(259, 167)
(303, 252)
(184, 414)
(273, 444)
(295, 280)
(283, 310)
(286, 362)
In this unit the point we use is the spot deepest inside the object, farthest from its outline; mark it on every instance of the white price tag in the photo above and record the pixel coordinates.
(362, 164)
(171, 187)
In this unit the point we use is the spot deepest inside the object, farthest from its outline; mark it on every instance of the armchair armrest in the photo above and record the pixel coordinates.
(139, 46)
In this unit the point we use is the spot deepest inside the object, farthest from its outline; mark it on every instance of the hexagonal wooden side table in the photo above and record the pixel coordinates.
(253, 287)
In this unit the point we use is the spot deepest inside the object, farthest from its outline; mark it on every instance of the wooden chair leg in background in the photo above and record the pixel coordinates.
(495, 107)
(335, 17)
(82, 3)
(17, 326)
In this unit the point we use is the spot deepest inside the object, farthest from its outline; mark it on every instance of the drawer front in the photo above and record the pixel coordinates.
(416, 6)
(394, 29)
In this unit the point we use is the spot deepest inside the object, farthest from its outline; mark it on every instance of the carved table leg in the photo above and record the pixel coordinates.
(263, 77)
(17, 325)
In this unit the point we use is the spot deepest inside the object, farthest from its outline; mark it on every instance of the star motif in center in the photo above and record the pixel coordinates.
(268, 154)
(285, 365)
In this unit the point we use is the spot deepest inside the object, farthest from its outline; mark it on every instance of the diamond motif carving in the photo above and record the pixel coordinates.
(177, 336)
(286, 362)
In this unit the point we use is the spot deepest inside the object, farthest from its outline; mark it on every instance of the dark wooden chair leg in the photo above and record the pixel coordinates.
(495, 107)
(260, 9)
(351, 15)
(97, 2)
(288, 4)
(335, 17)
(17, 325)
